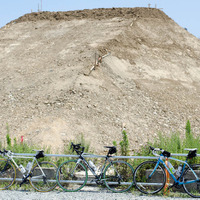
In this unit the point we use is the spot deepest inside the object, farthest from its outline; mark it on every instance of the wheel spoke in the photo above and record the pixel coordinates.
(118, 176)
(41, 183)
(193, 189)
(7, 174)
(149, 179)
(73, 176)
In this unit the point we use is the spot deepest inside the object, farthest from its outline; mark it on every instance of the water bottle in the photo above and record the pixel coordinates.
(178, 172)
(171, 168)
(22, 169)
(28, 166)
(92, 165)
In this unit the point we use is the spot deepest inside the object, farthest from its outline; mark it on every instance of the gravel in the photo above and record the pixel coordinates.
(83, 195)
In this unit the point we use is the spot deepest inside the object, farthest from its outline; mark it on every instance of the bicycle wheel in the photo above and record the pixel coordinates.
(193, 189)
(73, 176)
(7, 174)
(148, 179)
(43, 176)
(118, 176)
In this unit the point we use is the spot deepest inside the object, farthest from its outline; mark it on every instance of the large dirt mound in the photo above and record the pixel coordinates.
(99, 14)
(149, 78)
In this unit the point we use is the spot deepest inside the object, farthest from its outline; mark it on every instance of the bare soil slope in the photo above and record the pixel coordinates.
(149, 80)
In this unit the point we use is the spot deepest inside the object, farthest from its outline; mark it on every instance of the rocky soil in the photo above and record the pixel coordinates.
(88, 72)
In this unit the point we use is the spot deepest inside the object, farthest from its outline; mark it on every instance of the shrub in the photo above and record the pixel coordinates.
(124, 144)
(174, 143)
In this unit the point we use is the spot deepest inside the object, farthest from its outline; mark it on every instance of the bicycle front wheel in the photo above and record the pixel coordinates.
(193, 189)
(148, 178)
(72, 176)
(118, 176)
(43, 176)
(7, 174)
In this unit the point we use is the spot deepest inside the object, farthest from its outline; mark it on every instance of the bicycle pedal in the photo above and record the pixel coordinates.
(24, 181)
(173, 185)
(178, 186)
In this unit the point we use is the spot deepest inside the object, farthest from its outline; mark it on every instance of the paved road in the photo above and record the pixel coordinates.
(82, 195)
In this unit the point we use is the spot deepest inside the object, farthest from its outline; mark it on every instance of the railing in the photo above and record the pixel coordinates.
(100, 156)
(89, 156)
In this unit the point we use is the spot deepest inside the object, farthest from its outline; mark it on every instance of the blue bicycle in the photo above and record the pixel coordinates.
(150, 176)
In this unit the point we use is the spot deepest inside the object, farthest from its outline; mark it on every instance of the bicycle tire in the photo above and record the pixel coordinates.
(193, 189)
(146, 184)
(7, 171)
(118, 176)
(71, 176)
(40, 182)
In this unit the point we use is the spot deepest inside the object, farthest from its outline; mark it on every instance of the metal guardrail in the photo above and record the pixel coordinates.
(100, 156)
(90, 156)
(20, 180)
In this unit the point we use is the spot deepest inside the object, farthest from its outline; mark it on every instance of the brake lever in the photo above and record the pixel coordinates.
(83, 148)
(72, 146)
(4, 152)
(150, 149)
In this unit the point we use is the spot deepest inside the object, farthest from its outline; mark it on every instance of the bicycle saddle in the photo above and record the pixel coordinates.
(187, 149)
(192, 153)
(112, 149)
(37, 150)
(39, 154)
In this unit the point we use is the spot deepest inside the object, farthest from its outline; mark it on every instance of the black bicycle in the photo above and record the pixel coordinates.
(72, 175)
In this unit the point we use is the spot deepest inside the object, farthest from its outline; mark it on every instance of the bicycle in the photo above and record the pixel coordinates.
(150, 176)
(42, 175)
(72, 175)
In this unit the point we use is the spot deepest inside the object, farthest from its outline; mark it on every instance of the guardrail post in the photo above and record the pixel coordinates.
(166, 191)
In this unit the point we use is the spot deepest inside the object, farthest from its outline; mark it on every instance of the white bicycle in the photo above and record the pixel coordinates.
(41, 175)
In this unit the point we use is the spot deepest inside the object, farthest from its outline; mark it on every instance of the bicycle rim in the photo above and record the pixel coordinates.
(73, 176)
(145, 181)
(7, 174)
(193, 189)
(118, 176)
(43, 182)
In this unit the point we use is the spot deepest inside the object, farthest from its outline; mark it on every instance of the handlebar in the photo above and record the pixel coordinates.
(5, 152)
(77, 147)
(163, 152)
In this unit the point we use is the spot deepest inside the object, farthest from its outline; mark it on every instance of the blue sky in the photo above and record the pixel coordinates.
(184, 12)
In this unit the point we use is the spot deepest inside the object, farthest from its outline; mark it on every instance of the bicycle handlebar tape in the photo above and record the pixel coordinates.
(166, 154)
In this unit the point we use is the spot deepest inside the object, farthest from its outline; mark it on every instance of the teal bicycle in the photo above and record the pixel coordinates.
(150, 176)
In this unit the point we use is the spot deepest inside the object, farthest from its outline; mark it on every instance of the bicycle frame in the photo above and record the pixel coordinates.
(82, 159)
(25, 174)
(177, 181)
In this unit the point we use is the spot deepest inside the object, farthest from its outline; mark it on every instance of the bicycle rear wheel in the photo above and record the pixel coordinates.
(73, 176)
(149, 179)
(7, 174)
(193, 189)
(43, 176)
(118, 176)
